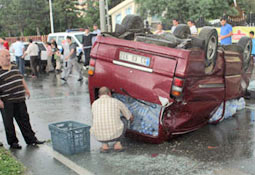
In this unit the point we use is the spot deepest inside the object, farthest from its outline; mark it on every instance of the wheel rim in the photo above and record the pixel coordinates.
(211, 48)
(247, 52)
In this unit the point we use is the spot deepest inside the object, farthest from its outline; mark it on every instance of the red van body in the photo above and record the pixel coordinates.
(159, 73)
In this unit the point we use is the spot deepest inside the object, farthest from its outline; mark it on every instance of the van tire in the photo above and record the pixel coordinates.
(119, 29)
(246, 44)
(182, 31)
(210, 36)
(132, 22)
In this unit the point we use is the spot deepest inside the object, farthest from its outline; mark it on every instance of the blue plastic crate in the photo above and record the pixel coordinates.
(70, 137)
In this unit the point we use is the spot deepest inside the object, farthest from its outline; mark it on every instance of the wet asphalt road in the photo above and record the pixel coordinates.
(226, 148)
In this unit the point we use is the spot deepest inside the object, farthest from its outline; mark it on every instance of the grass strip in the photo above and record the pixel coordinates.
(9, 165)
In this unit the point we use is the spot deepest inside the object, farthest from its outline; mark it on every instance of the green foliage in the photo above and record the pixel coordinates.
(28, 17)
(191, 9)
(9, 165)
(91, 14)
(65, 14)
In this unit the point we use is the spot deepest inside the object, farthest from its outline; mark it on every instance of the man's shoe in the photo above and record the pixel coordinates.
(37, 142)
(63, 79)
(15, 146)
(1, 144)
(80, 79)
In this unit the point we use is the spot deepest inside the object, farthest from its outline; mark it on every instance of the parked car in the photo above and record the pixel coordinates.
(42, 49)
(174, 82)
(76, 38)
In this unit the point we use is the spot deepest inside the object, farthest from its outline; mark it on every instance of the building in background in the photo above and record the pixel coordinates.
(125, 8)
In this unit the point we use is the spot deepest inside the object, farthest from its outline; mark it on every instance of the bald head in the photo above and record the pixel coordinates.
(4, 57)
(104, 91)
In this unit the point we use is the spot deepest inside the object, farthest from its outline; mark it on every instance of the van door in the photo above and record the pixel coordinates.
(43, 50)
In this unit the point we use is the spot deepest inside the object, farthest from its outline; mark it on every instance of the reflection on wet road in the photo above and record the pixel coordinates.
(226, 148)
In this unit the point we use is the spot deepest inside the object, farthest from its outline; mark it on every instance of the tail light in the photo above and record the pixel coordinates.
(91, 69)
(177, 87)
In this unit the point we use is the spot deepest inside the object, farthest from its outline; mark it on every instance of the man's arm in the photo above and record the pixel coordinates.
(26, 88)
(93, 34)
(1, 104)
(27, 52)
(225, 36)
(68, 56)
(124, 110)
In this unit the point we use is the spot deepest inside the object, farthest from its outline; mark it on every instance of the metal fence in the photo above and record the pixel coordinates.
(42, 38)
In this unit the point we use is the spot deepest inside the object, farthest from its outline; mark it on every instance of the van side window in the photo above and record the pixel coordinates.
(50, 38)
(60, 39)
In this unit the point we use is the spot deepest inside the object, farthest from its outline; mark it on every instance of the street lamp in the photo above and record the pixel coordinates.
(51, 17)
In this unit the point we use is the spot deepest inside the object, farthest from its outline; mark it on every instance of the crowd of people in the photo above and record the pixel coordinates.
(13, 88)
(226, 31)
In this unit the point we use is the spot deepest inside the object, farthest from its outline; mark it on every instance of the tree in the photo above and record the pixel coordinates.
(23, 17)
(189, 9)
(65, 14)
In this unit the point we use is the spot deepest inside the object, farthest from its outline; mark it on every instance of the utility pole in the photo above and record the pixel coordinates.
(108, 17)
(51, 18)
(102, 15)
(235, 3)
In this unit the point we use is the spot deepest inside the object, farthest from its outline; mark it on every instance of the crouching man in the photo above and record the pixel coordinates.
(108, 125)
(13, 91)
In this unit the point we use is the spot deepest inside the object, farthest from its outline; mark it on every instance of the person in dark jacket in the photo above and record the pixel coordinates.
(87, 45)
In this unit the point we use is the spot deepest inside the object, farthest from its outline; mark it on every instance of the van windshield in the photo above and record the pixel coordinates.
(79, 37)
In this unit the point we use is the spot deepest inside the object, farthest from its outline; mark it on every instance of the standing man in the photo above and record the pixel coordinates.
(13, 91)
(107, 124)
(192, 27)
(175, 24)
(18, 49)
(96, 31)
(226, 32)
(253, 43)
(159, 30)
(33, 51)
(49, 67)
(71, 61)
(87, 45)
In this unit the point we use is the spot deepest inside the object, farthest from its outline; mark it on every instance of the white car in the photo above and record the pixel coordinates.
(76, 38)
(42, 49)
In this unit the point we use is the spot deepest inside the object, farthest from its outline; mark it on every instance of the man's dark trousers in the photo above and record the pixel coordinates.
(34, 63)
(19, 112)
(87, 56)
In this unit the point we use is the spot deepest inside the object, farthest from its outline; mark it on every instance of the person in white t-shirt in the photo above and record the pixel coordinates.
(193, 28)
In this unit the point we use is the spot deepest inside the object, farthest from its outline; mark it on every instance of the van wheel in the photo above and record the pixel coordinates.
(132, 22)
(119, 29)
(182, 31)
(246, 44)
(210, 36)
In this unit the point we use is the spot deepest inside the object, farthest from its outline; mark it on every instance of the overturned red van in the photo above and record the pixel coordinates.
(170, 90)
